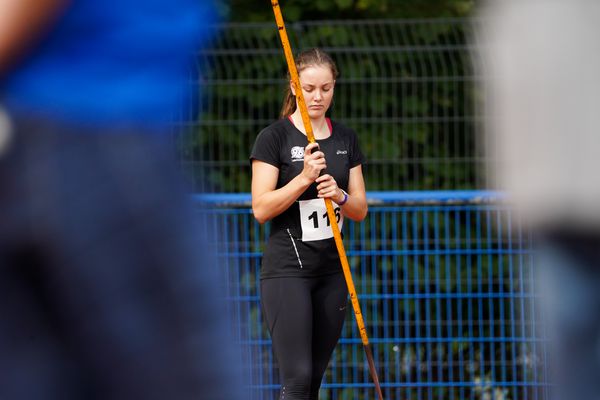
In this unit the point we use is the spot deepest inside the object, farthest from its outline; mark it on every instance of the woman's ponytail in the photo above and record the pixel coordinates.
(289, 103)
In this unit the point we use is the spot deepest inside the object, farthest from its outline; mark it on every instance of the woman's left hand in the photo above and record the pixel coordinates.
(327, 188)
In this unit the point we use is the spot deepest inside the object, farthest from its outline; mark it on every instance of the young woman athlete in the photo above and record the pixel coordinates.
(303, 292)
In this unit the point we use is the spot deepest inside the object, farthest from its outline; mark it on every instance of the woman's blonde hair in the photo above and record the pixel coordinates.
(307, 58)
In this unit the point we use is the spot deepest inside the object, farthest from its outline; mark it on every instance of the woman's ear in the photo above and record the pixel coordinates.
(293, 88)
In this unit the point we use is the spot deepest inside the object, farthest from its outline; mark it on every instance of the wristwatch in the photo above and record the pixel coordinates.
(341, 203)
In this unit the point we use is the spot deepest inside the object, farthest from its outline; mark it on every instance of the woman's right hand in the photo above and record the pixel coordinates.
(314, 162)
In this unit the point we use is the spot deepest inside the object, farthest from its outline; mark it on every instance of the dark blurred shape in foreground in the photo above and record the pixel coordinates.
(107, 290)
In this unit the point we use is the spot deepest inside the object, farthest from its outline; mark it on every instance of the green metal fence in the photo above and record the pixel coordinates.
(406, 87)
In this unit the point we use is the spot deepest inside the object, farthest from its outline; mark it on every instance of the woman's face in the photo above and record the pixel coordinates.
(317, 87)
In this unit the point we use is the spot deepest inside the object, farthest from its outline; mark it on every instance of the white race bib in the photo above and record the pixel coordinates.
(314, 221)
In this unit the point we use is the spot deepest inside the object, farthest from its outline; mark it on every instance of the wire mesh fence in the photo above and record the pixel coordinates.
(407, 87)
(447, 292)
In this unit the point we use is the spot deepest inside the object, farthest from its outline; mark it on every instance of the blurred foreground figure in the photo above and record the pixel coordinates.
(106, 291)
(543, 61)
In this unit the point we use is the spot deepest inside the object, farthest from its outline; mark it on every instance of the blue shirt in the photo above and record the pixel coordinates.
(124, 61)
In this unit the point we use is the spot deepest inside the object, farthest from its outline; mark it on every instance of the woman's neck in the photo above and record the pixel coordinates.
(319, 125)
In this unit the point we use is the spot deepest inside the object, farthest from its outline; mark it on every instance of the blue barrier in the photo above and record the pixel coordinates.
(446, 288)
(406, 197)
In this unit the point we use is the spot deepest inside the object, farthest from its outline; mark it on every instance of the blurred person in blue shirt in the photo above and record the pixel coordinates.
(107, 290)
(541, 63)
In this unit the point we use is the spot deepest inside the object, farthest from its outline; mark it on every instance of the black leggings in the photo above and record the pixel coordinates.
(305, 318)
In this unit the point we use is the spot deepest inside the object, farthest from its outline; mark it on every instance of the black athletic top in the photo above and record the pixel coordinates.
(298, 244)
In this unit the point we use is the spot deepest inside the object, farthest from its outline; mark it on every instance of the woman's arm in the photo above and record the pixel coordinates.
(268, 202)
(355, 207)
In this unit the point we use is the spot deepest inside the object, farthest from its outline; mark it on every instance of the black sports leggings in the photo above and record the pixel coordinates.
(305, 318)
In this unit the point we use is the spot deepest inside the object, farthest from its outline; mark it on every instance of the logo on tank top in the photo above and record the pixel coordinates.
(297, 153)
(341, 152)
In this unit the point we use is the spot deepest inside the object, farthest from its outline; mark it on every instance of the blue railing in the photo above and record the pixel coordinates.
(446, 290)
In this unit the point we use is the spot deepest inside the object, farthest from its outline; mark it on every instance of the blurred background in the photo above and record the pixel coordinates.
(442, 265)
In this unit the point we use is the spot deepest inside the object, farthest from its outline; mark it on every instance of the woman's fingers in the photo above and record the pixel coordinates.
(327, 186)
(314, 161)
(309, 149)
(325, 178)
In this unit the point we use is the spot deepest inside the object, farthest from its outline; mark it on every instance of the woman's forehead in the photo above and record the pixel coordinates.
(317, 74)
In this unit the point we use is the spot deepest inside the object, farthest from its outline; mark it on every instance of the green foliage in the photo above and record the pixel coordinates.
(405, 88)
(307, 10)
